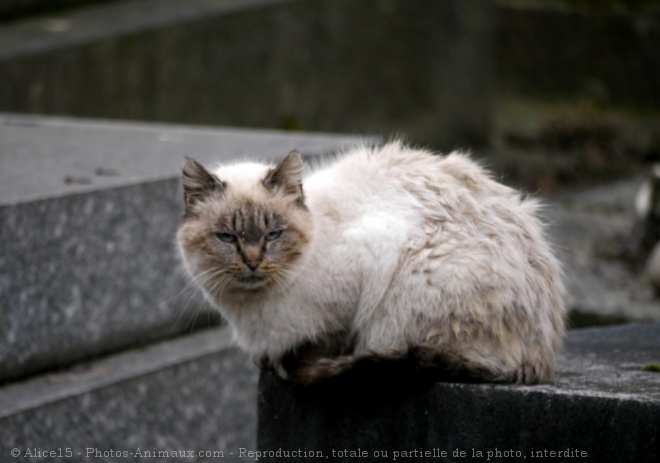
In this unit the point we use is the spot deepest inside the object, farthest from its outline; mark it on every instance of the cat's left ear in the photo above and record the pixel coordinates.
(287, 175)
(198, 183)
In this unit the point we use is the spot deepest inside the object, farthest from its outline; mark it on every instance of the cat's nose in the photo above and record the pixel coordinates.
(252, 257)
(252, 265)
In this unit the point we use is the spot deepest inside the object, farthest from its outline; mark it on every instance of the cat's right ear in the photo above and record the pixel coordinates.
(198, 183)
(287, 175)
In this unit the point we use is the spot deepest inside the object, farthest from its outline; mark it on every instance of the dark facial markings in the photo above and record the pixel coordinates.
(251, 229)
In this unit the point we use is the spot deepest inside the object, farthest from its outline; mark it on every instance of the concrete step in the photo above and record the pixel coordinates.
(373, 66)
(88, 214)
(193, 394)
(603, 406)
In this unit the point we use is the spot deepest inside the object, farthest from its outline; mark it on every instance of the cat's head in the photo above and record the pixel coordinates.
(245, 226)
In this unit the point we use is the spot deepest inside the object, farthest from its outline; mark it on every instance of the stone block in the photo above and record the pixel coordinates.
(375, 66)
(193, 394)
(88, 215)
(602, 407)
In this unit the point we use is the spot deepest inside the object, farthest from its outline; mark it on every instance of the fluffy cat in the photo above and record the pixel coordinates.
(386, 256)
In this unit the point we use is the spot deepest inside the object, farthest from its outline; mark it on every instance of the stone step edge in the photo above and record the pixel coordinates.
(157, 132)
(48, 388)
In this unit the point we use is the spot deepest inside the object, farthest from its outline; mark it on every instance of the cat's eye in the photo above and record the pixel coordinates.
(272, 236)
(226, 237)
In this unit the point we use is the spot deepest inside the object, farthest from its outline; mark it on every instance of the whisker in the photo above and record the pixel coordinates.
(196, 285)
(276, 278)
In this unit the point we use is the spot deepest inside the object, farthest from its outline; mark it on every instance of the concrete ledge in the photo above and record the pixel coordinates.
(602, 403)
(44, 157)
(194, 394)
(88, 214)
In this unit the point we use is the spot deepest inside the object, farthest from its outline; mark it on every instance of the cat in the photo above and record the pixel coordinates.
(388, 255)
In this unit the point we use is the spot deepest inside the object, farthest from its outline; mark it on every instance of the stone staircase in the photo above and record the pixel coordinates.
(105, 345)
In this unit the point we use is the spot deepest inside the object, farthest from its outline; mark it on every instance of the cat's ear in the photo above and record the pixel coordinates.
(287, 175)
(198, 183)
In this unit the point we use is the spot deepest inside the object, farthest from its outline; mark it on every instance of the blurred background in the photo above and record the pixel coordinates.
(558, 97)
(563, 91)
(558, 76)
(552, 94)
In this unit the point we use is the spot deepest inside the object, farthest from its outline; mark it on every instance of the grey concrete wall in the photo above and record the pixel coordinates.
(374, 66)
(88, 215)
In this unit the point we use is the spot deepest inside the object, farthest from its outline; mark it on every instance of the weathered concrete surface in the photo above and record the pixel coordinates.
(88, 214)
(193, 394)
(374, 66)
(601, 403)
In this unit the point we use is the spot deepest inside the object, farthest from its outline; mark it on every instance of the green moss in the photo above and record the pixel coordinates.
(655, 367)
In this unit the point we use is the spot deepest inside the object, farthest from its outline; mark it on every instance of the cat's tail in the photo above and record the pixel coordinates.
(417, 363)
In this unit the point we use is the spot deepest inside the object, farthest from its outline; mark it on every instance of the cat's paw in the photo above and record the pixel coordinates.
(281, 371)
(265, 363)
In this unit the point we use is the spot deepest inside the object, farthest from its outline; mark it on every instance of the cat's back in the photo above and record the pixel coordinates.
(375, 205)
(398, 204)
(400, 181)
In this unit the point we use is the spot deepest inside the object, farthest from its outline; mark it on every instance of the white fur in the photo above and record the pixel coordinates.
(242, 177)
(410, 246)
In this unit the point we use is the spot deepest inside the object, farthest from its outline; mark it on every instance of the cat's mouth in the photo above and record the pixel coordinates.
(251, 281)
